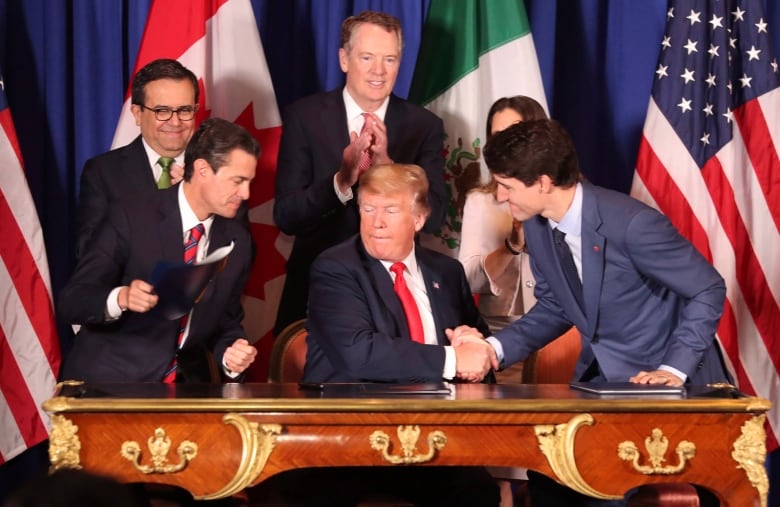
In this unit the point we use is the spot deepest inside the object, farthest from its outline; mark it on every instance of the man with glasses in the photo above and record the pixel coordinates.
(164, 102)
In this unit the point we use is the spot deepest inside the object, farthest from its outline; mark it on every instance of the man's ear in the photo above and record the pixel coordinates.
(343, 59)
(545, 184)
(135, 109)
(419, 220)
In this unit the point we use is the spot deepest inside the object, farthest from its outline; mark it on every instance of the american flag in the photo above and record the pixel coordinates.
(29, 347)
(708, 159)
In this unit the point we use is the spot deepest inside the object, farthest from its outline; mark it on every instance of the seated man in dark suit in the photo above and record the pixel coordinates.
(110, 296)
(360, 330)
(329, 139)
(164, 101)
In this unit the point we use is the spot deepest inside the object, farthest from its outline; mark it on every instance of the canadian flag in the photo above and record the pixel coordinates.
(218, 41)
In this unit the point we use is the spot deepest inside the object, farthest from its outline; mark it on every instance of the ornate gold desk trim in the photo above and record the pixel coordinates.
(64, 444)
(408, 436)
(258, 441)
(557, 444)
(750, 454)
(159, 444)
(657, 445)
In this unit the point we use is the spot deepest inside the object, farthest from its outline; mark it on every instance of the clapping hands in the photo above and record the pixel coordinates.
(473, 355)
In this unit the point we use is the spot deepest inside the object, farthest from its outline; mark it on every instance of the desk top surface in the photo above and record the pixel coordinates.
(443, 397)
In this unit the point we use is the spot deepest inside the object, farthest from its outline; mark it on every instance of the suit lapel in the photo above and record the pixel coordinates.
(333, 122)
(383, 284)
(592, 257)
(432, 279)
(135, 164)
(170, 225)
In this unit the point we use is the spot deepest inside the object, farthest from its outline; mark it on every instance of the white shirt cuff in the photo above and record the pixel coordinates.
(499, 350)
(449, 363)
(113, 310)
(344, 197)
(677, 372)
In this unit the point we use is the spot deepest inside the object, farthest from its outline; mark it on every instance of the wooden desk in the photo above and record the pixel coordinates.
(215, 440)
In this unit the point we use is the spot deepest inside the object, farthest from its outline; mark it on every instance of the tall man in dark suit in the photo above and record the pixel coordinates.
(164, 101)
(328, 139)
(121, 339)
(645, 302)
(360, 330)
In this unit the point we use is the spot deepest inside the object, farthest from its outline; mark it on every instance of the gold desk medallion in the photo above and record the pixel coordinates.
(657, 445)
(159, 444)
(408, 436)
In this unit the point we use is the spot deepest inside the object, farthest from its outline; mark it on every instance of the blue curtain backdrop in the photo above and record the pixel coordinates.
(67, 65)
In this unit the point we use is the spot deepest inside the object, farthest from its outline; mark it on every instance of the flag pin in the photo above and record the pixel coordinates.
(435, 285)
(596, 248)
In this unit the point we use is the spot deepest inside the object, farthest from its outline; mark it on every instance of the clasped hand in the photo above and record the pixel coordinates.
(373, 138)
(474, 357)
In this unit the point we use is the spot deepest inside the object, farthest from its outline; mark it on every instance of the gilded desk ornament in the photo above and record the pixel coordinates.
(556, 441)
(408, 436)
(64, 444)
(750, 454)
(159, 444)
(657, 444)
(258, 441)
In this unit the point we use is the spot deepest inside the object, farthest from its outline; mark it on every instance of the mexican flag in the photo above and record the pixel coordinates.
(472, 53)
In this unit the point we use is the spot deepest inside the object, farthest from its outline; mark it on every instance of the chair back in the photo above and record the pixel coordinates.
(555, 362)
(288, 354)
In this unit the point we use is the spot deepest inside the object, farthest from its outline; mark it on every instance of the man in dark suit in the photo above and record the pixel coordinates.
(645, 302)
(164, 101)
(121, 338)
(358, 327)
(328, 139)
(360, 330)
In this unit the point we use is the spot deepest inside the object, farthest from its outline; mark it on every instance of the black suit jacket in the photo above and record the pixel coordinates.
(138, 347)
(357, 328)
(106, 179)
(314, 136)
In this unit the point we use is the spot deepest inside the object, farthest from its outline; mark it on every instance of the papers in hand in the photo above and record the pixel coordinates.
(179, 285)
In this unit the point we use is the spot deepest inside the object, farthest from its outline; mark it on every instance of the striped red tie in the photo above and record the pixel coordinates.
(411, 311)
(190, 254)
(365, 157)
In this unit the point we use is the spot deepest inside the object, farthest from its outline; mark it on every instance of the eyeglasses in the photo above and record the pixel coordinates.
(185, 113)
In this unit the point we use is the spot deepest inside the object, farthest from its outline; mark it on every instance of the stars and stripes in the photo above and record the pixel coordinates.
(29, 347)
(709, 160)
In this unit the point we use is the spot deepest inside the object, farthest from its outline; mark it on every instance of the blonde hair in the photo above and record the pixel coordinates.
(397, 178)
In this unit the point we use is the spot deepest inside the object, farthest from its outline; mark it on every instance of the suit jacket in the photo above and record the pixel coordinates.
(106, 179)
(314, 136)
(139, 346)
(357, 327)
(650, 298)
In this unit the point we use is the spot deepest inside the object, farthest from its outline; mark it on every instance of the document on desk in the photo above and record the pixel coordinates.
(405, 389)
(626, 388)
(179, 285)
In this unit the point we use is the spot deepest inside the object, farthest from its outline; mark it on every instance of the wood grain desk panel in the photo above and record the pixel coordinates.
(215, 440)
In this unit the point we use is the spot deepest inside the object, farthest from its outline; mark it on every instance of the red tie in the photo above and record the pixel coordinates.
(407, 301)
(190, 254)
(365, 157)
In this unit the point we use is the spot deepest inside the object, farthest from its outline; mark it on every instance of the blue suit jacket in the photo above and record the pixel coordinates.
(357, 328)
(314, 134)
(650, 297)
(138, 347)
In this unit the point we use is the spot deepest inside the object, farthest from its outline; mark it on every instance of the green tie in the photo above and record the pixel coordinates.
(165, 176)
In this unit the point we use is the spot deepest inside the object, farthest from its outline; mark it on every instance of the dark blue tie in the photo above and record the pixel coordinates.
(567, 263)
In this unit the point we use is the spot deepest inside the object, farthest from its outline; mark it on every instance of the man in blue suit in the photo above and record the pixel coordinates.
(646, 303)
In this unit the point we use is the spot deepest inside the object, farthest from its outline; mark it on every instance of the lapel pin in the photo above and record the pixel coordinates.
(596, 248)
(435, 285)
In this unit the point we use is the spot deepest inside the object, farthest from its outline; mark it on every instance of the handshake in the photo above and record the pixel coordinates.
(474, 357)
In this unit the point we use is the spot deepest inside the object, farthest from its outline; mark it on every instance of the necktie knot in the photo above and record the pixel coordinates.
(191, 245)
(164, 181)
(398, 269)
